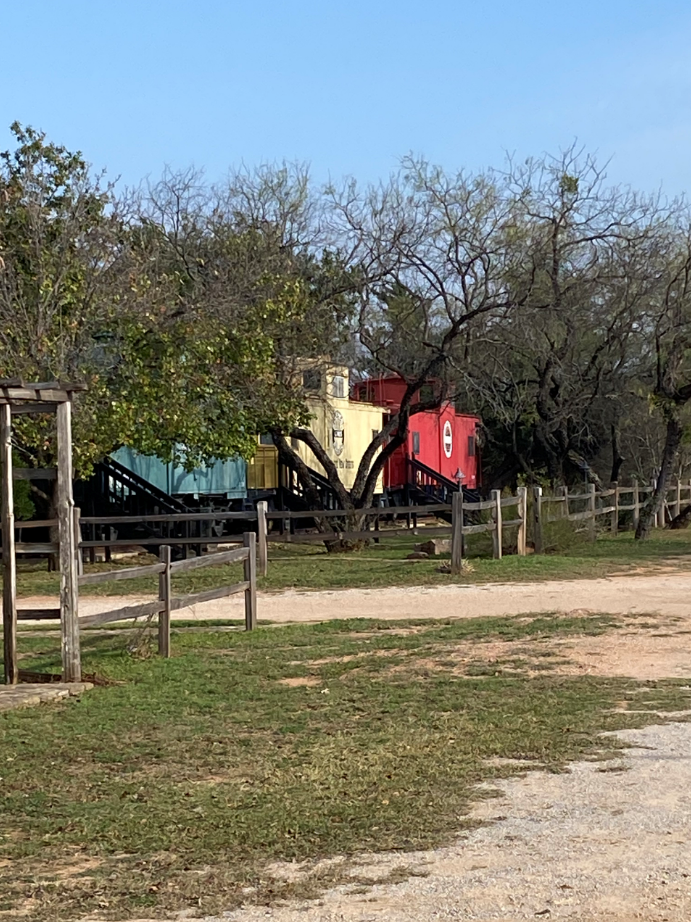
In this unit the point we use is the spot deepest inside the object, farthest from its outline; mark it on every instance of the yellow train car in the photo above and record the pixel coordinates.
(343, 427)
(262, 470)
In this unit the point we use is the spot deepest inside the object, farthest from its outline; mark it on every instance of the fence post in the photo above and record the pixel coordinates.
(9, 563)
(521, 540)
(636, 504)
(69, 588)
(564, 510)
(77, 513)
(249, 539)
(537, 520)
(164, 595)
(592, 508)
(677, 504)
(457, 532)
(497, 533)
(615, 511)
(262, 549)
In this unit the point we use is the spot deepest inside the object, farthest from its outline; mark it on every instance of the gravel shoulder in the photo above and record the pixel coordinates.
(605, 842)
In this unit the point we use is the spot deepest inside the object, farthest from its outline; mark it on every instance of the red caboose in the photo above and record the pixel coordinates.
(443, 440)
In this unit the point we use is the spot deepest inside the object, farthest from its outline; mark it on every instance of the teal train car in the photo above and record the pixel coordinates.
(222, 480)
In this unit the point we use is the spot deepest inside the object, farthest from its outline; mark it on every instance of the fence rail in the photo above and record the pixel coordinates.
(166, 602)
(342, 525)
(670, 507)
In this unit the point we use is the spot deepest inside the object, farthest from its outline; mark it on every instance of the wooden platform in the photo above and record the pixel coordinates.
(28, 694)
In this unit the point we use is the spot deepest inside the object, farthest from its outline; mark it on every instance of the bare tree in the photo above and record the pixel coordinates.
(670, 319)
(433, 255)
(549, 378)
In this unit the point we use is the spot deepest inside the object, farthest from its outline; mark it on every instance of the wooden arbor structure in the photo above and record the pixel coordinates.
(17, 398)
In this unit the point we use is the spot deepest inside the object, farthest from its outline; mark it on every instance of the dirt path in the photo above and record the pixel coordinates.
(669, 595)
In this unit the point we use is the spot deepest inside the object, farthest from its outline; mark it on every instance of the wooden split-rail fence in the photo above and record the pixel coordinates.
(612, 502)
(532, 511)
(167, 602)
(284, 527)
(281, 526)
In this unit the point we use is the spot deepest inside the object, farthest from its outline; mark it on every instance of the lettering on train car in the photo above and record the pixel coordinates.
(338, 432)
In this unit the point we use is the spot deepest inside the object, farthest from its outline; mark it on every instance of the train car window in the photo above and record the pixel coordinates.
(416, 443)
(266, 439)
(338, 386)
(471, 446)
(295, 443)
(312, 380)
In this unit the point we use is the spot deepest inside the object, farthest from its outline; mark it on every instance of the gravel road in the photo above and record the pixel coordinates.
(665, 594)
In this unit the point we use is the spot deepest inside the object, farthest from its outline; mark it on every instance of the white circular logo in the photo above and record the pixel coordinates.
(448, 439)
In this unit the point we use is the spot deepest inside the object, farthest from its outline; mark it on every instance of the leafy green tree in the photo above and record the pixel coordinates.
(170, 319)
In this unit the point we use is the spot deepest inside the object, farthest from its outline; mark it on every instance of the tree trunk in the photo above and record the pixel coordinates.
(328, 527)
(669, 458)
(584, 468)
(548, 444)
(617, 459)
(683, 520)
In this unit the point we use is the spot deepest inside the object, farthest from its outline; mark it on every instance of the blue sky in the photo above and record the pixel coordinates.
(351, 87)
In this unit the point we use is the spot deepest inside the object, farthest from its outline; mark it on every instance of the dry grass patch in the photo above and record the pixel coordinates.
(301, 681)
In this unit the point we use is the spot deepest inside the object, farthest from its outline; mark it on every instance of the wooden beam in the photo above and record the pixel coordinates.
(262, 551)
(537, 520)
(497, 550)
(208, 560)
(251, 516)
(38, 614)
(25, 547)
(511, 523)
(174, 517)
(592, 509)
(69, 585)
(127, 613)
(164, 597)
(13, 383)
(521, 540)
(316, 537)
(22, 409)
(250, 566)
(35, 473)
(614, 521)
(195, 598)
(37, 394)
(93, 579)
(457, 533)
(9, 565)
(157, 542)
(37, 523)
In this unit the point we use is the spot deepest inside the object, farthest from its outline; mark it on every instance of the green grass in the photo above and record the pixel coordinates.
(181, 783)
(310, 567)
